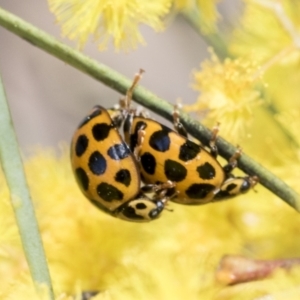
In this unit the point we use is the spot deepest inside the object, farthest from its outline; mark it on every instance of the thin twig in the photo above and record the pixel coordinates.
(20, 199)
(145, 98)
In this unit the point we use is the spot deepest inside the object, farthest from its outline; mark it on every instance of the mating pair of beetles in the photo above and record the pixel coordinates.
(110, 169)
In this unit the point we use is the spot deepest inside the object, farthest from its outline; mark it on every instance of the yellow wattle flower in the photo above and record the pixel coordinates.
(107, 20)
(261, 33)
(174, 257)
(227, 94)
(269, 32)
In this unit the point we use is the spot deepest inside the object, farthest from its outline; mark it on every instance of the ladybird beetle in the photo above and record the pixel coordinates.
(106, 170)
(166, 156)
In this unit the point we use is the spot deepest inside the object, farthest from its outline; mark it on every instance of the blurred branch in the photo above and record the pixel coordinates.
(144, 97)
(282, 17)
(20, 199)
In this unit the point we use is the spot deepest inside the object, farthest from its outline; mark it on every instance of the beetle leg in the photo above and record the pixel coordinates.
(140, 140)
(182, 131)
(117, 117)
(232, 162)
(212, 143)
(163, 189)
(125, 102)
(160, 191)
(176, 121)
(166, 185)
(127, 126)
(122, 111)
(157, 188)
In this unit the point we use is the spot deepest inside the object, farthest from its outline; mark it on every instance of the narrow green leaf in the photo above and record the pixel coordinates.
(20, 198)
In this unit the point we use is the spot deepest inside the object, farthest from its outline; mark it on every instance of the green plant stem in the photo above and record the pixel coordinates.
(144, 97)
(20, 198)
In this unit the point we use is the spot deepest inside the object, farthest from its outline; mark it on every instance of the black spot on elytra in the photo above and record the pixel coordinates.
(223, 194)
(82, 178)
(189, 150)
(108, 192)
(230, 187)
(81, 145)
(206, 171)
(134, 137)
(118, 151)
(101, 131)
(141, 206)
(97, 163)
(174, 170)
(199, 190)
(123, 176)
(148, 163)
(160, 140)
(96, 112)
(129, 213)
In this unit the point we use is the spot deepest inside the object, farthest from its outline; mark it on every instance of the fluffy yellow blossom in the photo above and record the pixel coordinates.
(208, 14)
(174, 257)
(282, 80)
(107, 20)
(266, 28)
(269, 33)
(227, 93)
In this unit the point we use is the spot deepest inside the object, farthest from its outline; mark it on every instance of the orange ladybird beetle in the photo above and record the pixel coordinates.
(107, 172)
(188, 172)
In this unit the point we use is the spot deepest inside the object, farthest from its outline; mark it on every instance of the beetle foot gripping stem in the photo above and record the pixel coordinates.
(125, 103)
(232, 162)
(212, 143)
(176, 121)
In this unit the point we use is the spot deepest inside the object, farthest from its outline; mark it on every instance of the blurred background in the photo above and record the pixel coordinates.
(48, 98)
